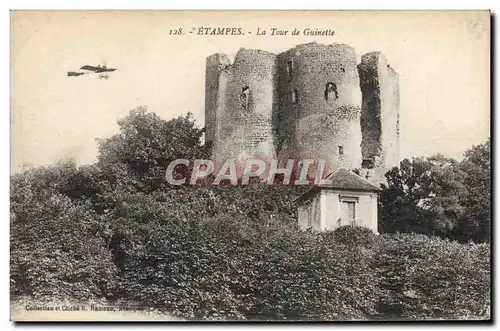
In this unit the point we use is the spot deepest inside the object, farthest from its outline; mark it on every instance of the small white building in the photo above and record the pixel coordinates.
(346, 199)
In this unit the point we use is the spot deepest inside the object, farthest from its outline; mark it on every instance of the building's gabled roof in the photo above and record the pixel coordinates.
(348, 180)
(342, 179)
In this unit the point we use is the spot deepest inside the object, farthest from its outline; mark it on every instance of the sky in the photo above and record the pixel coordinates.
(443, 60)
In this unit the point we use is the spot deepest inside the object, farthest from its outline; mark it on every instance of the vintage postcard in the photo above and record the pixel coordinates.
(250, 166)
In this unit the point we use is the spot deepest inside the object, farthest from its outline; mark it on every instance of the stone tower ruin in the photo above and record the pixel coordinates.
(313, 101)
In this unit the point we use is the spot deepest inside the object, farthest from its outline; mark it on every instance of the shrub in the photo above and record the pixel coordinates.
(58, 250)
(431, 278)
(355, 236)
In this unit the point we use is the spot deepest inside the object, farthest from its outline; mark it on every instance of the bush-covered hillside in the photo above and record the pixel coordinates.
(116, 230)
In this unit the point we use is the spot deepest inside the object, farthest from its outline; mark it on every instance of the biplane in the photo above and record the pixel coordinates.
(101, 70)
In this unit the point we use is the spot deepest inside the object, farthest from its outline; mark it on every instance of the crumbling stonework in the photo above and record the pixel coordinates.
(311, 102)
(214, 65)
(380, 114)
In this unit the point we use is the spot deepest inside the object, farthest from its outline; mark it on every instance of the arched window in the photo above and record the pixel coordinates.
(290, 68)
(244, 97)
(294, 96)
(331, 92)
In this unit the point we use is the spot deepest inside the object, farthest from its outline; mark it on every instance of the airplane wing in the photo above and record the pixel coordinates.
(72, 73)
(90, 68)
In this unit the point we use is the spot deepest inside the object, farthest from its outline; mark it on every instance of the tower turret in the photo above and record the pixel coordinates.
(245, 106)
(319, 103)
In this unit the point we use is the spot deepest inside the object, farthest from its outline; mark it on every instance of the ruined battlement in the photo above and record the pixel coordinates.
(312, 101)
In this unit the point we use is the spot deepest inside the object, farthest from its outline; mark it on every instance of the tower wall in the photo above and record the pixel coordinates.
(311, 102)
(380, 113)
(214, 65)
(245, 107)
(314, 124)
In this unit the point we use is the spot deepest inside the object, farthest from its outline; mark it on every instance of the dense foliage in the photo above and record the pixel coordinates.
(422, 277)
(116, 230)
(440, 196)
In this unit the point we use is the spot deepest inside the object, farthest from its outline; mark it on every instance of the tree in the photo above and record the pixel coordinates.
(422, 195)
(58, 243)
(440, 196)
(476, 221)
(146, 144)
